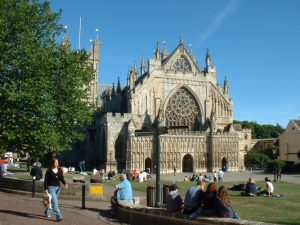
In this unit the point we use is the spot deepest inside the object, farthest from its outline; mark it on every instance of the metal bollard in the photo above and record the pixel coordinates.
(33, 187)
(83, 197)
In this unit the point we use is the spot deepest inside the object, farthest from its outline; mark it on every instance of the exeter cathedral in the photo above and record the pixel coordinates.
(193, 109)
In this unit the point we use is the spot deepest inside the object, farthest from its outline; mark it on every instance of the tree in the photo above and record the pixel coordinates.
(261, 131)
(43, 85)
(256, 159)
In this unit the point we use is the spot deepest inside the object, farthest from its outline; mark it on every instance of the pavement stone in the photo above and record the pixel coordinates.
(23, 210)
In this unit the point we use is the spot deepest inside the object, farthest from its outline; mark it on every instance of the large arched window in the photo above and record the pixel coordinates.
(182, 110)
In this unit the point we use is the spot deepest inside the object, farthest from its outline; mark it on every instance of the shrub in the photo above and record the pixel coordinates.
(255, 159)
(275, 165)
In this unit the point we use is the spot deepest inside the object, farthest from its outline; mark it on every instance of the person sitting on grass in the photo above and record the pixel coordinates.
(193, 178)
(269, 188)
(223, 204)
(174, 201)
(251, 189)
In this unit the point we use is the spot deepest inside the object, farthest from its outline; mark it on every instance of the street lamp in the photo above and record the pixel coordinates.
(274, 153)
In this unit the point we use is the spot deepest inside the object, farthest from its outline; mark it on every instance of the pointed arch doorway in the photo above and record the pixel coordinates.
(224, 164)
(148, 165)
(187, 163)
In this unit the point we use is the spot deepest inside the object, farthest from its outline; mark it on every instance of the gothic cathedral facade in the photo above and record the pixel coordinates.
(193, 109)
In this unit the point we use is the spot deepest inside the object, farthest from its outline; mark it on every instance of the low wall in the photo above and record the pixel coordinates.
(136, 215)
(19, 186)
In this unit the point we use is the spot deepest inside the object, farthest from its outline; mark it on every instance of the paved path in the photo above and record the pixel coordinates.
(23, 210)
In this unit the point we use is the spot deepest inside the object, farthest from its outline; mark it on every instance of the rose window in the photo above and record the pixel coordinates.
(181, 64)
(182, 110)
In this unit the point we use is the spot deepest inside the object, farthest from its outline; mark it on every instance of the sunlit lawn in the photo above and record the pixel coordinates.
(285, 210)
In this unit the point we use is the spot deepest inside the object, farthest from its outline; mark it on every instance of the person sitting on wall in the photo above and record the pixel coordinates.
(174, 201)
(250, 189)
(209, 200)
(4, 172)
(223, 205)
(193, 197)
(123, 192)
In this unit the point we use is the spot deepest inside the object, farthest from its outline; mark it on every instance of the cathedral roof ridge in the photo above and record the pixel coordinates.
(183, 50)
(297, 123)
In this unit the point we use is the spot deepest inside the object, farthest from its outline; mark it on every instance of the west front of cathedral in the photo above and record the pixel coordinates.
(194, 111)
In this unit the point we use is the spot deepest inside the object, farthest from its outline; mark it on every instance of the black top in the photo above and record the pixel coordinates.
(53, 179)
(251, 188)
(209, 200)
(36, 172)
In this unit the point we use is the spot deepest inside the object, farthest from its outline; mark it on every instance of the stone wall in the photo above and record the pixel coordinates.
(136, 215)
(74, 191)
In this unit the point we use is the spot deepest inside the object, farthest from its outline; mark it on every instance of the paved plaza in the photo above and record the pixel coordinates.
(24, 210)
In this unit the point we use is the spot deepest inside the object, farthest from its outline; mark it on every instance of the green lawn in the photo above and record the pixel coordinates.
(285, 210)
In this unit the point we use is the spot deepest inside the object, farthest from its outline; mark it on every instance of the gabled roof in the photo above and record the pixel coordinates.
(180, 51)
(297, 123)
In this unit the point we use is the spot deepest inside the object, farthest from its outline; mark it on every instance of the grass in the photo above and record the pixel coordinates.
(285, 210)
(26, 175)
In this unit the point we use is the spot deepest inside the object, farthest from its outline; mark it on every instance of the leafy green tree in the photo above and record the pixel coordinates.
(256, 159)
(276, 165)
(43, 85)
(261, 131)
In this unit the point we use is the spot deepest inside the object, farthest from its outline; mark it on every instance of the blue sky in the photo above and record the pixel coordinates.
(256, 44)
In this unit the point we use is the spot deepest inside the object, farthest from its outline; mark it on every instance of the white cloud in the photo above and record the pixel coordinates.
(230, 8)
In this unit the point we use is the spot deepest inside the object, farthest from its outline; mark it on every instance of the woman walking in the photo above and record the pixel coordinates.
(53, 177)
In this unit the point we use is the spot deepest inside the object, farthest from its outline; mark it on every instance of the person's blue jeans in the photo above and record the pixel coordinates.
(196, 213)
(82, 167)
(54, 191)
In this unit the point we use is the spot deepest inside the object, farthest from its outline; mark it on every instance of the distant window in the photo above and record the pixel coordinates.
(182, 65)
(246, 136)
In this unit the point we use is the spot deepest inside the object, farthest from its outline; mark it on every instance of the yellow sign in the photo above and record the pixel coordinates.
(96, 189)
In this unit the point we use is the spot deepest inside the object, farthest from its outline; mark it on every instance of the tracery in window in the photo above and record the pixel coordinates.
(182, 110)
(181, 64)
